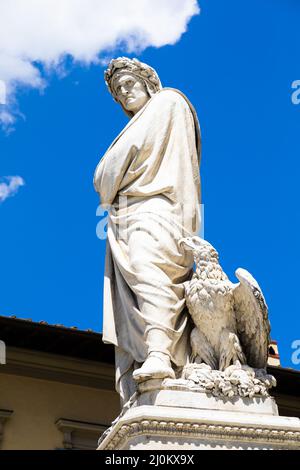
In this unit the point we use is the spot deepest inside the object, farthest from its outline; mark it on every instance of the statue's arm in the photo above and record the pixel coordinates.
(150, 132)
(110, 172)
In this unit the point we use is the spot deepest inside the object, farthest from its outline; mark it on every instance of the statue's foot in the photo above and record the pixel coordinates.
(156, 366)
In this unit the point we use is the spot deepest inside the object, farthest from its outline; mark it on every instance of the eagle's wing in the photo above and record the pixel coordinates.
(253, 327)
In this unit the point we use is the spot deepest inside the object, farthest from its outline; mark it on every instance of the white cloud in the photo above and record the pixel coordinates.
(43, 31)
(9, 186)
(2, 92)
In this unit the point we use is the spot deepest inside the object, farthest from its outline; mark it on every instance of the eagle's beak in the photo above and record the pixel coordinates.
(186, 243)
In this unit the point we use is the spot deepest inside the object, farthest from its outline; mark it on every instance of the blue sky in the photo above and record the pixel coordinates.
(236, 62)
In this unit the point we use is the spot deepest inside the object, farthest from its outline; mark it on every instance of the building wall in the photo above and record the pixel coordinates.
(65, 402)
(37, 404)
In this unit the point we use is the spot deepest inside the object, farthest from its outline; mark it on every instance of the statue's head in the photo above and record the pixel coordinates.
(131, 83)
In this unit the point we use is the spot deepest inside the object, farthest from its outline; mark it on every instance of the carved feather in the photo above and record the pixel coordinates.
(253, 327)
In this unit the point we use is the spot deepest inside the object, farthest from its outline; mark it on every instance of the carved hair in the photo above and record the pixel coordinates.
(144, 72)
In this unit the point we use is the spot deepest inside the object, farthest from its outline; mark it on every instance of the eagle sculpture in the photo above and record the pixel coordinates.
(231, 320)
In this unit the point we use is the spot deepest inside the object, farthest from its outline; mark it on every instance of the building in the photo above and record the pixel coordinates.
(57, 386)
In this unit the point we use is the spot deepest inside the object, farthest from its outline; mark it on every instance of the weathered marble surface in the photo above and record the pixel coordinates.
(180, 420)
(140, 179)
(235, 381)
(189, 378)
(231, 319)
(172, 396)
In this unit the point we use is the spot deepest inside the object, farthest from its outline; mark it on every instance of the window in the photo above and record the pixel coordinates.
(4, 416)
(80, 434)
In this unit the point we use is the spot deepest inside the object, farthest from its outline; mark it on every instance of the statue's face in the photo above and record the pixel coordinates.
(131, 92)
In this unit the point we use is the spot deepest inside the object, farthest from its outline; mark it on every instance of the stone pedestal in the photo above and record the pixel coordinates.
(188, 420)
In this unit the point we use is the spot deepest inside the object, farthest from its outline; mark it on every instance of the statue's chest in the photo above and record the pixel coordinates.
(209, 300)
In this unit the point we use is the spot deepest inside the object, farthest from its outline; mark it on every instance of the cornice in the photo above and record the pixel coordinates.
(40, 365)
(206, 432)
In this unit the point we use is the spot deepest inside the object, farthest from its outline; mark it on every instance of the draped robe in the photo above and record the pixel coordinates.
(149, 178)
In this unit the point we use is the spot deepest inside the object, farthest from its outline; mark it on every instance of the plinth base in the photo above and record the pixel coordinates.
(159, 420)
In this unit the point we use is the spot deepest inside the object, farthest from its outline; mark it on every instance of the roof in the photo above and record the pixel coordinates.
(56, 339)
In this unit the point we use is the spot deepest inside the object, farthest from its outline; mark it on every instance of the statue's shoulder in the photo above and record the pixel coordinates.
(171, 96)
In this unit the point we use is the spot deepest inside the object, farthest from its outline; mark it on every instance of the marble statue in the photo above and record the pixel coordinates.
(149, 178)
(231, 337)
(231, 320)
(191, 347)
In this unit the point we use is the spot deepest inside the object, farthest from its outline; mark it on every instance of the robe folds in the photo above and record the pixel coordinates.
(149, 181)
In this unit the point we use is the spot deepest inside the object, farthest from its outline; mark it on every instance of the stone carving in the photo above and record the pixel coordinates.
(235, 380)
(155, 421)
(191, 348)
(231, 335)
(140, 180)
(151, 246)
(136, 68)
(263, 437)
